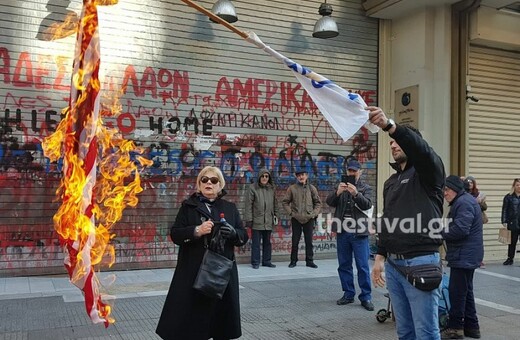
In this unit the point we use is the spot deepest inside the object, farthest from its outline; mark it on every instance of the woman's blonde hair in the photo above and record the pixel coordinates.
(214, 170)
(513, 185)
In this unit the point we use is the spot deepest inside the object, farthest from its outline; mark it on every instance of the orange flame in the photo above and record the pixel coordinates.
(117, 181)
(59, 30)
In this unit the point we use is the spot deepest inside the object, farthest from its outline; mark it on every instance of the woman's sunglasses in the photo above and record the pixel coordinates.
(265, 176)
(213, 180)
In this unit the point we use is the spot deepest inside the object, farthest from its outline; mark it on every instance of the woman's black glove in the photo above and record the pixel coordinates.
(228, 231)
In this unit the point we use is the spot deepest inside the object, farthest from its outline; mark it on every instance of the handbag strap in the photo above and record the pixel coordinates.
(402, 271)
(209, 217)
(396, 267)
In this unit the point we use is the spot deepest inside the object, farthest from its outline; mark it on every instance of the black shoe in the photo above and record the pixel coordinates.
(508, 262)
(292, 264)
(344, 301)
(368, 305)
(472, 333)
(255, 266)
(270, 265)
(311, 264)
(451, 333)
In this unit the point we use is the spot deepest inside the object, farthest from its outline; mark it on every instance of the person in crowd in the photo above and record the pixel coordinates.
(414, 192)
(464, 253)
(511, 218)
(350, 201)
(261, 214)
(470, 185)
(188, 313)
(303, 204)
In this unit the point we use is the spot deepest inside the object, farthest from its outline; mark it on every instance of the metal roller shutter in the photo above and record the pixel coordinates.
(197, 95)
(493, 125)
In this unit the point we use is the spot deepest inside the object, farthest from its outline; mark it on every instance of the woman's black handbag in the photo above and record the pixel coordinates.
(215, 270)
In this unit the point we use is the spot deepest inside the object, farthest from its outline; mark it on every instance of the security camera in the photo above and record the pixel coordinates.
(472, 98)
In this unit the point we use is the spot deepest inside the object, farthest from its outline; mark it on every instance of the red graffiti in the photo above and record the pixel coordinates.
(28, 72)
(151, 80)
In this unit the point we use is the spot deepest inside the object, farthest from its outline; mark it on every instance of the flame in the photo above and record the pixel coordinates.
(101, 176)
(63, 29)
(105, 2)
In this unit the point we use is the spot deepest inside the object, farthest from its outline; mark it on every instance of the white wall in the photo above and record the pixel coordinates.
(493, 28)
(420, 44)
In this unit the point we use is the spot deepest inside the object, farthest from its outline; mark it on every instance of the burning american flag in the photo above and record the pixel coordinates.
(88, 148)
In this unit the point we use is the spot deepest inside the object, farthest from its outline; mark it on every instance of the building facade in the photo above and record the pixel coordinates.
(194, 94)
(462, 58)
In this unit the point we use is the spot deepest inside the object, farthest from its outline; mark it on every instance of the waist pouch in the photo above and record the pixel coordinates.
(426, 277)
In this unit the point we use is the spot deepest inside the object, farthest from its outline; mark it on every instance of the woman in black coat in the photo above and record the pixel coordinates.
(187, 313)
(511, 218)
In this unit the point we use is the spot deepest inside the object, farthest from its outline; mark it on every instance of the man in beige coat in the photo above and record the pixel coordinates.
(303, 204)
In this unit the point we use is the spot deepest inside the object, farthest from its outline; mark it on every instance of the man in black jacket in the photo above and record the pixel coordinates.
(350, 224)
(409, 230)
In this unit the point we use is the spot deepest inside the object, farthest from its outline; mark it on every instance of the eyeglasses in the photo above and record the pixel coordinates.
(213, 180)
(265, 176)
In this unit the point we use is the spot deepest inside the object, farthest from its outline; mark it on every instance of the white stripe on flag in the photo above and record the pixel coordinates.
(344, 111)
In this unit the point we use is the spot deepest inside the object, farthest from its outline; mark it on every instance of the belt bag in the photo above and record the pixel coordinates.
(426, 277)
(214, 274)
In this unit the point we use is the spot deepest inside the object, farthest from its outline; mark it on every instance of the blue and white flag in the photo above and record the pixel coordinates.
(345, 111)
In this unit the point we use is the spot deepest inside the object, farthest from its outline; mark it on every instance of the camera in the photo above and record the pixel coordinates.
(348, 179)
(472, 98)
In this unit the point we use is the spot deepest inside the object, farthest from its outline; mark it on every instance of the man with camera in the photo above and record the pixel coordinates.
(351, 198)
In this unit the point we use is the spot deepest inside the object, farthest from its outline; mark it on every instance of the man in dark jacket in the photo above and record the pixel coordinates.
(409, 228)
(350, 222)
(465, 250)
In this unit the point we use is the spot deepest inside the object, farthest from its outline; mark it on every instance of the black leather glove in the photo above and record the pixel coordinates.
(228, 231)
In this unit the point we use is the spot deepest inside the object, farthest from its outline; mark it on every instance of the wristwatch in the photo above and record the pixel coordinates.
(389, 125)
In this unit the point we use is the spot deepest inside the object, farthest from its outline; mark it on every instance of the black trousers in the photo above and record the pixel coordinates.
(462, 312)
(265, 235)
(297, 229)
(511, 249)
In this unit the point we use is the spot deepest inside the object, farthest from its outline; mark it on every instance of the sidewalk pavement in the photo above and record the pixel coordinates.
(276, 303)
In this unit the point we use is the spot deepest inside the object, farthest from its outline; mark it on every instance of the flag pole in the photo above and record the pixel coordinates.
(344, 111)
(215, 18)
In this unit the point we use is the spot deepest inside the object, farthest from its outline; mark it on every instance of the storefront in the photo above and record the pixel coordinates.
(462, 60)
(195, 94)
(492, 116)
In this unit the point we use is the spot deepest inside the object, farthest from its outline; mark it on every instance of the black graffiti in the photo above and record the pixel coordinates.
(323, 246)
(174, 125)
(297, 156)
(8, 121)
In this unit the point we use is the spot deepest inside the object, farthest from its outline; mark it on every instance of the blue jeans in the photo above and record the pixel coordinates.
(349, 244)
(416, 312)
